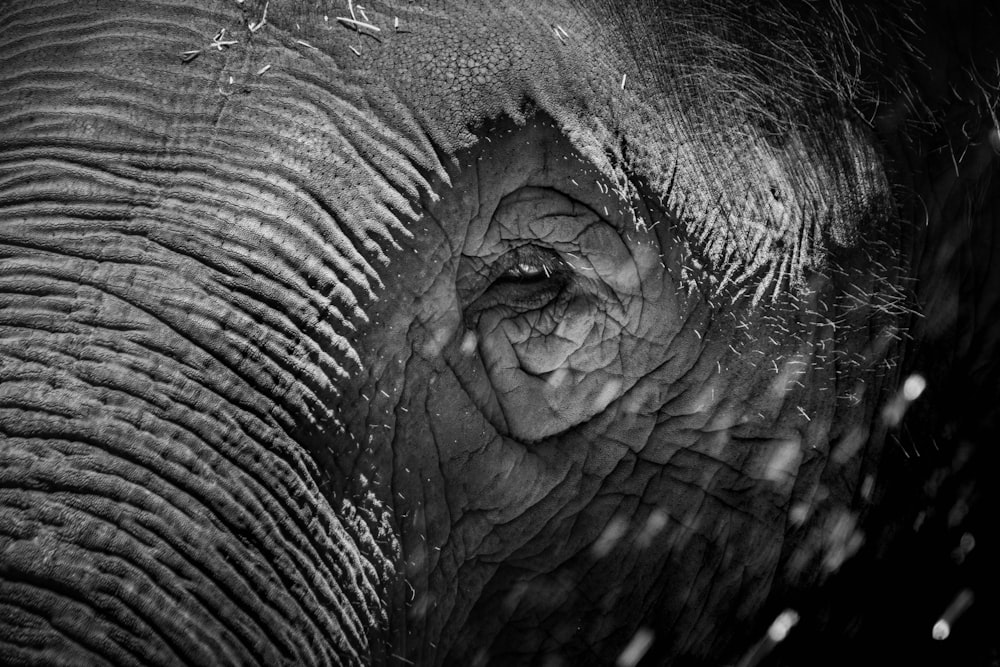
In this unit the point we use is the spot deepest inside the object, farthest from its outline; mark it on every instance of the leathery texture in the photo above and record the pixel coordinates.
(668, 500)
(263, 403)
(173, 305)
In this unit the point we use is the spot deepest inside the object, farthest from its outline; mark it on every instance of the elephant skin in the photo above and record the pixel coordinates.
(567, 332)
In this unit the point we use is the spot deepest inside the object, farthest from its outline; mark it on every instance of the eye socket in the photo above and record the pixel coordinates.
(538, 250)
(525, 272)
(528, 264)
(527, 278)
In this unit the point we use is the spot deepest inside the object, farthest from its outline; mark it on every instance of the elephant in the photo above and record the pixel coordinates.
(442, 332)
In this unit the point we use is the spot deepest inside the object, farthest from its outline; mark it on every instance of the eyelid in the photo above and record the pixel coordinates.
(526, 269)
(541, 225)
(531, 255)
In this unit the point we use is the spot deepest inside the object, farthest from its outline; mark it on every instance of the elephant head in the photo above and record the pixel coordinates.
(460, 333)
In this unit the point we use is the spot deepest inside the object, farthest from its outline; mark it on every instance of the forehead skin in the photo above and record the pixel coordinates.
(736, 119)
(338, 141)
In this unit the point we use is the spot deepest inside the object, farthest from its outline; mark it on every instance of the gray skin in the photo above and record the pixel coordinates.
(501, 336)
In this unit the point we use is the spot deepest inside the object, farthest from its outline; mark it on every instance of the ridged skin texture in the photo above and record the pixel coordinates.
(266, 398)
(176, 291)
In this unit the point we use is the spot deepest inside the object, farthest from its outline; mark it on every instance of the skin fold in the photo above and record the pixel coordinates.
(484, 333)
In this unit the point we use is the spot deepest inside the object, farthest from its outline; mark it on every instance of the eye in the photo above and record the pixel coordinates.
(527, 278)
(526, 271)
(539, 251)
(531, 265)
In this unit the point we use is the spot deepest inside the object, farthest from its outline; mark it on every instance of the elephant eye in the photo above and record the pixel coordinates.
(528, 270)
(524, 279)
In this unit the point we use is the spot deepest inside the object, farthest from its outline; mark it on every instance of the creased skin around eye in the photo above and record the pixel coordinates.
(526, 271)
(525, 279)
(543, 354)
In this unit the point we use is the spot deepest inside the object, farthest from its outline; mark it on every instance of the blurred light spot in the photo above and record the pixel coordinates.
(965, 545)
(481, 658)
(632, 405)
(867, 487)
(943, 627)
(613, 532)
(911, 390)
(469, 342)
(843, 540)
(656, 522)
(782, 625)
(799, 513)
(849, 445)
(784, 461)
(514, 596)
(705, 400)
(420, 606)
(958, 512)
(636, 649)
(608, 393)
(962, 456)
(435, 342)
(913, 387)
(894, 410)
(994, 139)
(558, 377)
(775, 634)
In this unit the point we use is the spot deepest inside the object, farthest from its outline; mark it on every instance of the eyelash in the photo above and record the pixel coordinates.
(527, 278)
(527, 270)
(529, 260)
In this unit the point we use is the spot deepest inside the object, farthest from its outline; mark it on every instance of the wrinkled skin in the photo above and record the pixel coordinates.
(512, 334)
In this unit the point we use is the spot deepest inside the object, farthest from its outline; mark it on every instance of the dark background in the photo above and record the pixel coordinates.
(933, 533)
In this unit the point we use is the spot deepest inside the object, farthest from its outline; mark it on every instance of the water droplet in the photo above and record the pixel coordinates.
(608, 393)
(995, 139)
(656, 522)
(469, 342)
(962, 601)
(941, 630)
(913, 387)
(782, 625)
(613, 532)
(798, 514)
(784, 461)
(849, 445)
(867, 487)
(636, 648)
(558, 377)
